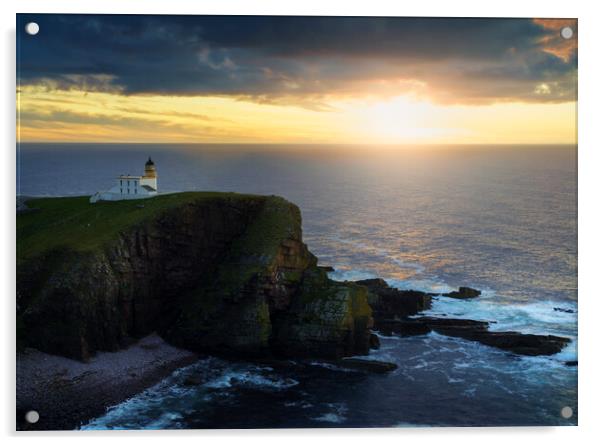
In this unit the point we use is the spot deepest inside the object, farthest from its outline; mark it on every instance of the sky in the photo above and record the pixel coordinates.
(269, 79)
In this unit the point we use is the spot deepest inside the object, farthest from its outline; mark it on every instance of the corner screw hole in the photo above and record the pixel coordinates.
(566, 412)
(566, 32)
(32, 416)
(32, 28)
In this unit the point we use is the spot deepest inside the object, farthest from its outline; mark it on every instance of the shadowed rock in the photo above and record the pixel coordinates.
(560, 309)
(374, 341)
(407, 327)
(438, 324)
(366, 365)
(463, 293)
(475, 330)
(524, 344)
(392, 309)
(389, 303)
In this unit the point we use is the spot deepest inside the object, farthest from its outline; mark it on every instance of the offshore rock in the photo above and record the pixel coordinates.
(516, 342)
(560, 309)
(463, 293)
(390, 303)
(440, 324)
(395, 312)
(475, 330)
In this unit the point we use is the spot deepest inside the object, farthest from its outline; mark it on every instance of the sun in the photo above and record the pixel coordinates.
(401, 119)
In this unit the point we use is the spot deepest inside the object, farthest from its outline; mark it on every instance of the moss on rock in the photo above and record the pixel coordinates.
(327, 319)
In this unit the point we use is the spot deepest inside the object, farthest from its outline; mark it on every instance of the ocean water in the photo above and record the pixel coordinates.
(501, 219)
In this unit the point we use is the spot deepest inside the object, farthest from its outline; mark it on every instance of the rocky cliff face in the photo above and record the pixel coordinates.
(221, 275)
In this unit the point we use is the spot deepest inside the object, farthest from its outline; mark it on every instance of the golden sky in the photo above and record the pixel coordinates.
(492, 93)
(75, 116)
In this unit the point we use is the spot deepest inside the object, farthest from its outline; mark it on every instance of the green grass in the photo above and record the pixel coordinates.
(269, 228)
(76, 224)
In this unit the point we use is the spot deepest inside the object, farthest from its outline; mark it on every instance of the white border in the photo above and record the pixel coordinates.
(590, 148)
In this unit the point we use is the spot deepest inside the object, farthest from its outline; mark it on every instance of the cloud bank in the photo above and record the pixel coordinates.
(301, 60)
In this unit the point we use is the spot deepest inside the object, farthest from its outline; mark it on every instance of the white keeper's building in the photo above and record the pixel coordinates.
(131, 187)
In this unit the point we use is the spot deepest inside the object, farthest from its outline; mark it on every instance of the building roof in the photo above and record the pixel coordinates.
(149, 188)
(129, 177)
(149, 162)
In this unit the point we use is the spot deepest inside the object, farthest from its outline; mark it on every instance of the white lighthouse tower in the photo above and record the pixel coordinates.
(131, 187)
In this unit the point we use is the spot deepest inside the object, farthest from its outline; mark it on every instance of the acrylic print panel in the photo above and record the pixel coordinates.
(275, 222)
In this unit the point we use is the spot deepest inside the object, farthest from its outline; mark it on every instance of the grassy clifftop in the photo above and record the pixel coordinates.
(215, 272)
(77, 225)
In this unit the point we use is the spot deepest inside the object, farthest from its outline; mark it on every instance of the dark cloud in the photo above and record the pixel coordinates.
(296, 59)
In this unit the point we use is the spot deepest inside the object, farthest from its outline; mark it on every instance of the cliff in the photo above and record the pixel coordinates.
(212, 272)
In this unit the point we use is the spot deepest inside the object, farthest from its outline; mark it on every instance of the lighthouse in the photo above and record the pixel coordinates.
(150, 174)
(131, 187)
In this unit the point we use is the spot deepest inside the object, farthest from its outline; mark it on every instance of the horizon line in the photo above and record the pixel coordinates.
(353, 144)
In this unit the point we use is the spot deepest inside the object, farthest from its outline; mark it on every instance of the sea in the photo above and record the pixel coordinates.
(502, 219)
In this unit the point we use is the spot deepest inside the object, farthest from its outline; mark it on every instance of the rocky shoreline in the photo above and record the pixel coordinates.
(67, 393)
(395, 312)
